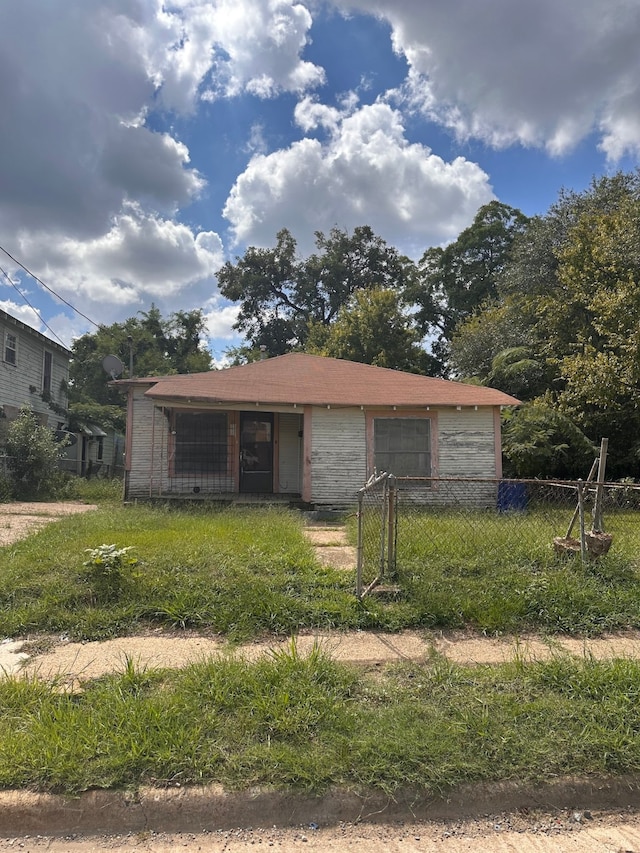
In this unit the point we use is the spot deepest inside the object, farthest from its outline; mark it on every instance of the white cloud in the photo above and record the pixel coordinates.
(90, 188)
(22, 312)
(219, 318)
(536, 73)
(141, 259)
(261, 43)
(366, 174)
(75, 84)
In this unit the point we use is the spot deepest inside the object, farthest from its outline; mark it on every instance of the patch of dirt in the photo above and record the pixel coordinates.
(208, 819)
(19, 519)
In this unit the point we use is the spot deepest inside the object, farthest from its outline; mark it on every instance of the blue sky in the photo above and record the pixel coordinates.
(146, 143)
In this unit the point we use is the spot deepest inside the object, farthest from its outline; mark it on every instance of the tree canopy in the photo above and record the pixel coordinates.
(455, 281)
(282, 296)
(159, 346)
(568, 300)
(373, 328)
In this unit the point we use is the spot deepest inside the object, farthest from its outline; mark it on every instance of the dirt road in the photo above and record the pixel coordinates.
(540, 833)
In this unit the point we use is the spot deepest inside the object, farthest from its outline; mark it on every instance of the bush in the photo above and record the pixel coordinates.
(33, 454)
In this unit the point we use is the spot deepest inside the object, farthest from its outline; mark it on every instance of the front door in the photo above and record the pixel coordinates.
(256, 453)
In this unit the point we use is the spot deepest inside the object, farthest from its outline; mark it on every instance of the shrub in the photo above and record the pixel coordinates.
(33, 454)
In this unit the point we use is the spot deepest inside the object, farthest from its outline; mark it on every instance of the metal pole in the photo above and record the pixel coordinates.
(597, 524)
(583, 541)
(391, 523)
(360, 544)
(383, 528)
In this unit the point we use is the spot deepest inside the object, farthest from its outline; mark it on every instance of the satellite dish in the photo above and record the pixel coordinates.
(112, 365)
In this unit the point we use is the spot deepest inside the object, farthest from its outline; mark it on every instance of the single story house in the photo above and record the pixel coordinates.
(303, 427)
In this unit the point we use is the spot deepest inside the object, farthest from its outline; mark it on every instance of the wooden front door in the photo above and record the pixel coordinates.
(256, 453)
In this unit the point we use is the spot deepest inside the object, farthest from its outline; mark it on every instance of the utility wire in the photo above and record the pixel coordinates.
(35, 311)
(46, 287)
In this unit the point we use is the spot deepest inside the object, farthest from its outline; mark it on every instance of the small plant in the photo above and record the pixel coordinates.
(106, 570)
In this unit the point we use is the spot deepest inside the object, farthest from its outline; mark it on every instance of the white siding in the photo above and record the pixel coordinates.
(22, 384)
(466, 445)
(465, 450)
(338, 455)
(290, 453)
(148, 461)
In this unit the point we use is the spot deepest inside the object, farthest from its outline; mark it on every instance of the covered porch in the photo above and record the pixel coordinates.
(233, 455)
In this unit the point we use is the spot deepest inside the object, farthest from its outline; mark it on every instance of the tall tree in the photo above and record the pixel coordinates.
(158, 346)
(457, 280)
(281, 295)
(372, 328)
(571, 289)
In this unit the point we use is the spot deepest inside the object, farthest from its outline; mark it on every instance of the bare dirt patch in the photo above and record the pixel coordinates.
(19, 519)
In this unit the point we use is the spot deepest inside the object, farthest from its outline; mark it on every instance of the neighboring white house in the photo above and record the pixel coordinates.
(304, 426)
(34, 371)
(94, 452)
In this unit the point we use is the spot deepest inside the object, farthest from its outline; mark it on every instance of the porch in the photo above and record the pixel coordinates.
(223, 455)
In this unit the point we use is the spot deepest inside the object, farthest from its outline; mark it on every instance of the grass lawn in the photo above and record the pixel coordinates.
(307, 724)
(245, 573)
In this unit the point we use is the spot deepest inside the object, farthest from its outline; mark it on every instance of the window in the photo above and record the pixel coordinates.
(46, 372)
(10, 348)
(402, 446)
(200, 443)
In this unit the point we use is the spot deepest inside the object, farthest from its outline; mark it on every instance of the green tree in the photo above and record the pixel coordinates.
(159, 346)
(33, 454)
(282, 295)
(455, 281)
(570, 296)
(372, 328)
(540, 441)
(478, 341)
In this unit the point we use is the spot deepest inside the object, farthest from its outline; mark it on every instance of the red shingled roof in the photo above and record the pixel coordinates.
(311, 379)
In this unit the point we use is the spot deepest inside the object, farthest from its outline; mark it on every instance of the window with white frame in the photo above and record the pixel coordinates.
(402, 446)
(10, 348)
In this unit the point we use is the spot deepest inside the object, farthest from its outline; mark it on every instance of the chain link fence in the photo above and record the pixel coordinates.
(478, 524)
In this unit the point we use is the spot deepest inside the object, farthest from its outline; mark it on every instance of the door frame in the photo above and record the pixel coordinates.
(245, 486)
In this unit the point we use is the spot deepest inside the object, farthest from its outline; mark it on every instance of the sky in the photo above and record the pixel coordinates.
(144, 144)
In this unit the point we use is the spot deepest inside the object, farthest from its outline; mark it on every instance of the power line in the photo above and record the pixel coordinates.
(35, 311)
(46, 287)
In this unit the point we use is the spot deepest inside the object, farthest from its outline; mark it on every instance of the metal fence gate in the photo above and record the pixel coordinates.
(377, 532)
(446, 524)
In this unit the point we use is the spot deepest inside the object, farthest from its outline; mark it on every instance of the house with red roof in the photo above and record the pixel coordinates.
(304, 428)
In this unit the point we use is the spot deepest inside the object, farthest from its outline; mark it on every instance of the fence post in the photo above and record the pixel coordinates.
(597, 523)
(392, 516)
(360, 544)
(583, 541)
(383, 528)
